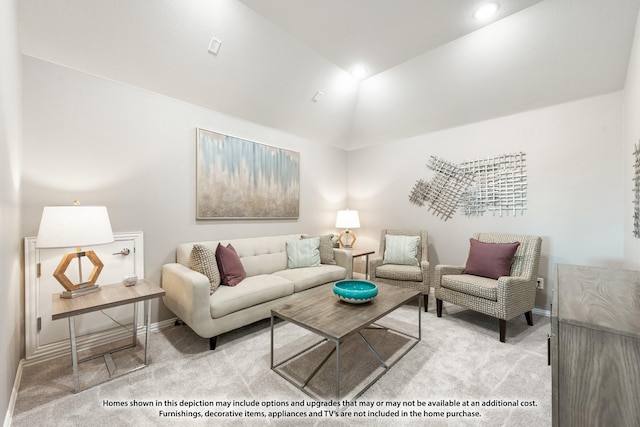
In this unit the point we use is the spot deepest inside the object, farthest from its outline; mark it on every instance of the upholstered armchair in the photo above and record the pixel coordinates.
(402, 261)
(505, 297)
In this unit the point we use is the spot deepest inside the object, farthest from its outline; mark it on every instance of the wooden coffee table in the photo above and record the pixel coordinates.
(336, 320)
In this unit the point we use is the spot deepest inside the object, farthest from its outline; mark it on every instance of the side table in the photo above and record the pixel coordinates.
(109, 296)
(355, 253)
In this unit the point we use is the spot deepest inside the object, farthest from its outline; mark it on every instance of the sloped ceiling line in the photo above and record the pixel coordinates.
(434, 68)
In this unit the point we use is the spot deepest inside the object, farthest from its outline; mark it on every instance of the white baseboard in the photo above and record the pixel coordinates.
(14, 395)
(62, 348)
(100, 340)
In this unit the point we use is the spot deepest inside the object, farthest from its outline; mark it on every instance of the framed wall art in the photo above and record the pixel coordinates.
(240, 179)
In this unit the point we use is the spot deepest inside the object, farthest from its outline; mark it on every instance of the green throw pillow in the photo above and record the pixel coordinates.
(303, 253)
(401, 249)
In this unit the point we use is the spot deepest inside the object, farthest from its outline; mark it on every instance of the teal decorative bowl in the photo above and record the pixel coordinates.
(355, 291)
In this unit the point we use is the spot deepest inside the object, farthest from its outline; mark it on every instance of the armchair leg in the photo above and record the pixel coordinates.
(529, 318)
(503, 329)
(426, 302)
(212, 343)
(439, 307)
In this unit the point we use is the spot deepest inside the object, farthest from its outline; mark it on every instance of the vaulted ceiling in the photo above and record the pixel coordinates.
(430, 65)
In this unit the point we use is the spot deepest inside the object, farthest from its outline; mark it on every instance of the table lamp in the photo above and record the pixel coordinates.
(75, 226)
(347, 219)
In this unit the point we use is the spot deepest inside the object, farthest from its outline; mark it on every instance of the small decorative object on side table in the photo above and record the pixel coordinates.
(111, 296)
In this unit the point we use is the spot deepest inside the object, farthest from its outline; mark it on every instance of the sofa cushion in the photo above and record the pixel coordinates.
(326, 248)
(401, 249)
(303, 253)
(305, 278)
(490, 260)
(203, 260)
(482, 287)
(399, 272)
(251, 291)
(231, 269)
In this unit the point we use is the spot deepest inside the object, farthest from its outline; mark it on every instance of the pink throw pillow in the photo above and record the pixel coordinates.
(231, 269)
(490, 260)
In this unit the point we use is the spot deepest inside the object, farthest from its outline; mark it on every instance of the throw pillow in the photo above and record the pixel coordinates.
(231, 269)
(326, 249)
(401, 249)
(490, 260)
(203, 260)
(303, 253)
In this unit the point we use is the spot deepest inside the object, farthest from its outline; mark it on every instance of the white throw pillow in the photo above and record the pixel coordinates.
(303, 253)
(401, 249)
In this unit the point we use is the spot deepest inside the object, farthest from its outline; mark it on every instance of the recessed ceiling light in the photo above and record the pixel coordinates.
(359, 72)
(486, 11)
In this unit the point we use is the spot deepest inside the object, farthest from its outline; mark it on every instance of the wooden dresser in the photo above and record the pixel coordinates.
(595, 347)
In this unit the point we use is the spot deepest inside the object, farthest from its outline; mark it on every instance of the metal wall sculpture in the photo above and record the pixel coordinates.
(496, 184)
(636, 192)
(445, 190)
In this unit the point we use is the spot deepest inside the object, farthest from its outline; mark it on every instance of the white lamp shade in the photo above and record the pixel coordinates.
(347, 219)
(74, 226)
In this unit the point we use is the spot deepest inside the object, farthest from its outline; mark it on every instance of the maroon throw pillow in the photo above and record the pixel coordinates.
(231, 269)
(490, 260)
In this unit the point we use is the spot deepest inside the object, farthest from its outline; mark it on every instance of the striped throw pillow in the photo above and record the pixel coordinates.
(401, 249)
(303, 253)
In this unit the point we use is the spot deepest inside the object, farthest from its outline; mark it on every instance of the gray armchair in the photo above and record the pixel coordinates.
(505, 297)
(407, 276)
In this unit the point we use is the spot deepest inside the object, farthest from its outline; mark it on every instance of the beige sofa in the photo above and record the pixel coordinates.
(269, 283)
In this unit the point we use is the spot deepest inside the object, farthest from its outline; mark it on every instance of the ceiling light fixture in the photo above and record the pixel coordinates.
(359, 72)
(486, 11)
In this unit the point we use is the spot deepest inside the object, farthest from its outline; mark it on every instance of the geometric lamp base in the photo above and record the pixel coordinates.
(72, 289)
(345, 234)
(80, 291)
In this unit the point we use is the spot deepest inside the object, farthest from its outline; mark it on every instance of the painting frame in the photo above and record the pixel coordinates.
(241, 179)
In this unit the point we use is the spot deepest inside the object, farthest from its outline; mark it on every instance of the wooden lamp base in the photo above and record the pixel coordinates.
(347, 233)
(72, 289)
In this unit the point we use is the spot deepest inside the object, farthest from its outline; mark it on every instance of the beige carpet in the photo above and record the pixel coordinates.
(459, 374)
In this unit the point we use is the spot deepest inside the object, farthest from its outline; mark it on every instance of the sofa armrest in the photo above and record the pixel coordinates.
(344, 259)
(445, 270)
(187, 294)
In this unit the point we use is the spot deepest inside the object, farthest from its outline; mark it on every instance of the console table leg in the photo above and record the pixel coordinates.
(135, 324)
(147, 307)
(74, 354)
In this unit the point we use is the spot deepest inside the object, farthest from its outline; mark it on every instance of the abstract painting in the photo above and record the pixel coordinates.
(240, 179)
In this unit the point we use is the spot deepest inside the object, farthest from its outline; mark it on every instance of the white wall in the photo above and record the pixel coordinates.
(631, 123)
(11, 336)
(575, 190)
(261, 73)
(103, 142)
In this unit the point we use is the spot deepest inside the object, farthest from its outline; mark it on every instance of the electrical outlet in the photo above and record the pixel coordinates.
(540, 284)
